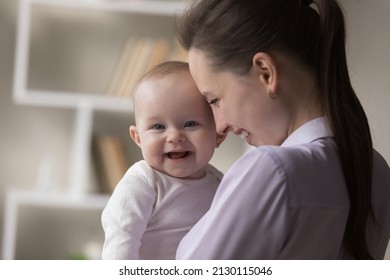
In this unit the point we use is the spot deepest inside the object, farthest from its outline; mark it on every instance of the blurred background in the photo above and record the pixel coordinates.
(61, 105)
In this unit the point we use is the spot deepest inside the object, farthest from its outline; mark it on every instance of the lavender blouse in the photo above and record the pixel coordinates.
(287, 202)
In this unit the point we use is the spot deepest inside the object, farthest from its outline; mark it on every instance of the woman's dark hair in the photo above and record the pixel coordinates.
(230, 32)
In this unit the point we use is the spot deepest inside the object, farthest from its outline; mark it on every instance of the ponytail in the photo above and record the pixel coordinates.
(349, 125)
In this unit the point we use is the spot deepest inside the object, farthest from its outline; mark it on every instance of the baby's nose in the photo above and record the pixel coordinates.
(175, 136)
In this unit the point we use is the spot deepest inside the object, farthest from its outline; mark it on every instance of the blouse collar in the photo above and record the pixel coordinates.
(309, 132)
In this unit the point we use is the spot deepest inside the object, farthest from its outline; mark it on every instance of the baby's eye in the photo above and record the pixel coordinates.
(158, 127)
(191, 124)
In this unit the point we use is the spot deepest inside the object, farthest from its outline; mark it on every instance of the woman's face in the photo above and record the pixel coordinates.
(240, 103)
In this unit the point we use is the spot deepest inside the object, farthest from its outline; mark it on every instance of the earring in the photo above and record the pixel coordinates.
(271, 95)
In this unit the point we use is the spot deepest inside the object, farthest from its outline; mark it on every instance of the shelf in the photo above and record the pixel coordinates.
(132, 6)
(101, 19)
(57, 199)
(72, 100)
(67, 56)
(48, 202)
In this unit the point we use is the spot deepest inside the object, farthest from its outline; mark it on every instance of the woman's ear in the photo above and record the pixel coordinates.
(266, 69)
(134, 134)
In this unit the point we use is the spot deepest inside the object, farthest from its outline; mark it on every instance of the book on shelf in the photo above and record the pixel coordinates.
(121, 66)
(138, 65)
(139, 55)
(128, 71)
(159, 54)
(178, 53)
(110, 161)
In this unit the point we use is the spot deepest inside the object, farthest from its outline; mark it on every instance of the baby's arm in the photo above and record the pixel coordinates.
(125, 218)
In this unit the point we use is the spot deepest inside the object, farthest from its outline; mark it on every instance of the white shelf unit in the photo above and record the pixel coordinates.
(49, 204)
(84, 102)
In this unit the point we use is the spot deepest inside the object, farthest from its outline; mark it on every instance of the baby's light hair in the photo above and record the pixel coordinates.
(165, 68)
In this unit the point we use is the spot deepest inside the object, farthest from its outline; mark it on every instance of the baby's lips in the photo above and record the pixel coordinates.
(177, 155)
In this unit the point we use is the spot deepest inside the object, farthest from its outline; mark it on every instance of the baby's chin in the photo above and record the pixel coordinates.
(185, 174)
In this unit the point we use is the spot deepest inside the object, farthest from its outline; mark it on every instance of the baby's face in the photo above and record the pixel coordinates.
(175, 126)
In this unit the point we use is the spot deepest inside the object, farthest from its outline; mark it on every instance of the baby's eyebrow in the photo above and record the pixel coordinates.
(152, 119)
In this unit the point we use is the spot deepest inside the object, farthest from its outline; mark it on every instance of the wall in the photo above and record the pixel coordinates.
(30, 134)
(368, 40)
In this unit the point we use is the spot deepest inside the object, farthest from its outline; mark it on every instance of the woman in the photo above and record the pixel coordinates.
(275, 72)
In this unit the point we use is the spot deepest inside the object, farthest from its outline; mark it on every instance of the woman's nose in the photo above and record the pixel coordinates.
(221, 126)
(223, 129)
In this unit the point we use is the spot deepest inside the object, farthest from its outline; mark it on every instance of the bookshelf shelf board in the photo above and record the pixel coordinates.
(58, 199)
(22, 92)
(134, 6)
(73, 100)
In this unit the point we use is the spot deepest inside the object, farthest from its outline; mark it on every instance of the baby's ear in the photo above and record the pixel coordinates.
(220, 139)
(134, 134)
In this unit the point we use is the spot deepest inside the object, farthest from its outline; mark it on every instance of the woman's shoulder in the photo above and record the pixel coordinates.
(310, 173)
(316, 153)
(280, 155)
(297, 163)
(381, 177)
(380, 162)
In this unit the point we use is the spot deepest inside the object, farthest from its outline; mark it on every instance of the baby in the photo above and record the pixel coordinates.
(161, 197)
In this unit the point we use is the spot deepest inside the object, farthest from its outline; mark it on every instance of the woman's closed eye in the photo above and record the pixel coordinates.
(213, 101)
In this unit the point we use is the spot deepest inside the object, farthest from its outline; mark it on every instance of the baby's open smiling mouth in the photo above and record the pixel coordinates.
(178, 155)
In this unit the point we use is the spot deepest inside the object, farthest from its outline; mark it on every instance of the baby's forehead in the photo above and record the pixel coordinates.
(158, 78)
(183, 95)
(172, 85)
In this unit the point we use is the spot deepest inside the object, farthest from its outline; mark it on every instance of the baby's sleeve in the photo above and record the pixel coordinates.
(125, 218)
